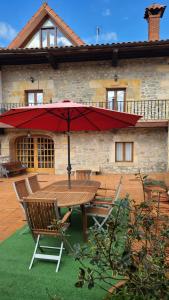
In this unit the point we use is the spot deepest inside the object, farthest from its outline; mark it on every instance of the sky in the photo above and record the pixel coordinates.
(117, 20)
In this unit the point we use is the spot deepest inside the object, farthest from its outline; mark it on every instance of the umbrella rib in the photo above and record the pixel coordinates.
(23, 123)
(54, 114)
(9, 114)
(122, 121)
(81, 114)
(84, 115)
(102, 113)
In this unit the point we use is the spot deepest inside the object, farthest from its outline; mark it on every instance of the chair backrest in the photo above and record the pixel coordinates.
(118, 189)
(21, 189)
(33, 184)
(41, 215)
(109, 211)
(83, 174)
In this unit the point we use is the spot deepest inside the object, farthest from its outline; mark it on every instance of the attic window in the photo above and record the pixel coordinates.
(48, 36)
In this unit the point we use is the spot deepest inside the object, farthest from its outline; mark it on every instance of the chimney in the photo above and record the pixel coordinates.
(153, 13)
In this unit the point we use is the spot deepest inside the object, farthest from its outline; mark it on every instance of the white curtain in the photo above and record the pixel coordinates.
(119, 152)
(128, 152)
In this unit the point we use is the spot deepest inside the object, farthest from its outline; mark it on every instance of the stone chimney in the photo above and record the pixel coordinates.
(153, 13)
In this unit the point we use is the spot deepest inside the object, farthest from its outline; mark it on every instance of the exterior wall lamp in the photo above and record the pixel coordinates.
(116, 77)
(32, 79)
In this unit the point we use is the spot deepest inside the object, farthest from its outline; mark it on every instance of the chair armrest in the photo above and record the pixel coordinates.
(101, 197)
(66, 216)
(117, 285)
(102, 202)
(106, 189)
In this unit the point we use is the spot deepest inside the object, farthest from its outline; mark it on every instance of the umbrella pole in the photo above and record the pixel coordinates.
(69, 167)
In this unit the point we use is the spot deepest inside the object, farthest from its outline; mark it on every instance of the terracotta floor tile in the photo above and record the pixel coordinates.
(11, 213)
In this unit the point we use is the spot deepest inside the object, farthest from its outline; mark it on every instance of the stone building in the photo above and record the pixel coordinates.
(48, 62)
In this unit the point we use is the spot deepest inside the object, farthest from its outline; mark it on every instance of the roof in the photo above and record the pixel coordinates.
(36, 21)
(55, 55)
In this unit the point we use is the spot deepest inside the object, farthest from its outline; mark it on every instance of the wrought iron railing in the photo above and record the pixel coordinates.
(148, 109)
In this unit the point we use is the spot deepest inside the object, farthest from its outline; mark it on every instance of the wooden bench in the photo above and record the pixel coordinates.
(93, 169)
(10, 168)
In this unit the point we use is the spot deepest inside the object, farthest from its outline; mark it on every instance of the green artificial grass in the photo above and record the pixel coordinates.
(19, 283)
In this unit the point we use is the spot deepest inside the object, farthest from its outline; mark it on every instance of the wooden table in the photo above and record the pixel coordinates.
(89, 186)
(78, 183)
(76, 186)
(65, 197)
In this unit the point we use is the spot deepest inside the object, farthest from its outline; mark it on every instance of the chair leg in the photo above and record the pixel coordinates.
(34, 253)
(100, 226)
(25, 230)
(46, 256)
(60, 254)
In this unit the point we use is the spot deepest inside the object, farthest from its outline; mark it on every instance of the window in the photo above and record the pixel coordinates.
(34, 97)
(116, 99)
(48, 35)
(124, 152)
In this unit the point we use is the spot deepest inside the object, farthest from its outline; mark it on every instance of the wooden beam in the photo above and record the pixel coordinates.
(115, 57)
(52, 61)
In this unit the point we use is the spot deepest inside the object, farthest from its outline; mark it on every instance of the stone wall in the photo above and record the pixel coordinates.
(97, 149)
(88, 81)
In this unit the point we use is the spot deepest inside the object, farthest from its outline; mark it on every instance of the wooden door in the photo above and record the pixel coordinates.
(37, 153)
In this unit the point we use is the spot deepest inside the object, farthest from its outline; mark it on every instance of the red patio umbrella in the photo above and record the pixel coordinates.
(67, 116)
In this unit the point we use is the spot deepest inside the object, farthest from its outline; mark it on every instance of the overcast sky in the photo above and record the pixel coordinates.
(118, 20)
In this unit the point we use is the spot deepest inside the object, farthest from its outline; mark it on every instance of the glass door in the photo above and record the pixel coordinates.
(116, 99)
(37, 153)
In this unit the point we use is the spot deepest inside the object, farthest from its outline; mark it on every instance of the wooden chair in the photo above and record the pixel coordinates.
(83, 174)
(107, 192)
(21, 191)
(32, 184)
(43, 217)
(102, 209)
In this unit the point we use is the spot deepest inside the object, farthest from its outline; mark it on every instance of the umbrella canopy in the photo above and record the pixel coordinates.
(67, 116)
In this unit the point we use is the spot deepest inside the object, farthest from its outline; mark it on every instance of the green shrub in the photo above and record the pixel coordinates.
(132, 248)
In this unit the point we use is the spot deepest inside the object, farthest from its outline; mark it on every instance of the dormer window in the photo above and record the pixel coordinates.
(48, 36)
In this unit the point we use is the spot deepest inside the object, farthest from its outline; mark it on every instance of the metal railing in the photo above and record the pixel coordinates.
(148, 109)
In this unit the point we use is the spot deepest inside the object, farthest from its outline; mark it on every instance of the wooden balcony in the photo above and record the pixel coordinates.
(148, 109)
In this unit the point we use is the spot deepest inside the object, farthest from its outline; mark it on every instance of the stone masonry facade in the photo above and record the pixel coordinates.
(144, 79)
(96, 150)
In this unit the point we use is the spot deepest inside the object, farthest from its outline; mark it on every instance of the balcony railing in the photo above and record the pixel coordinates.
(148, 109)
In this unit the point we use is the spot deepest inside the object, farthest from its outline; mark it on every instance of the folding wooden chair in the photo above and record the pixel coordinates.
(21, 191)
(100, 210)
(33, 184)
(83, 174)
(43, 219)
